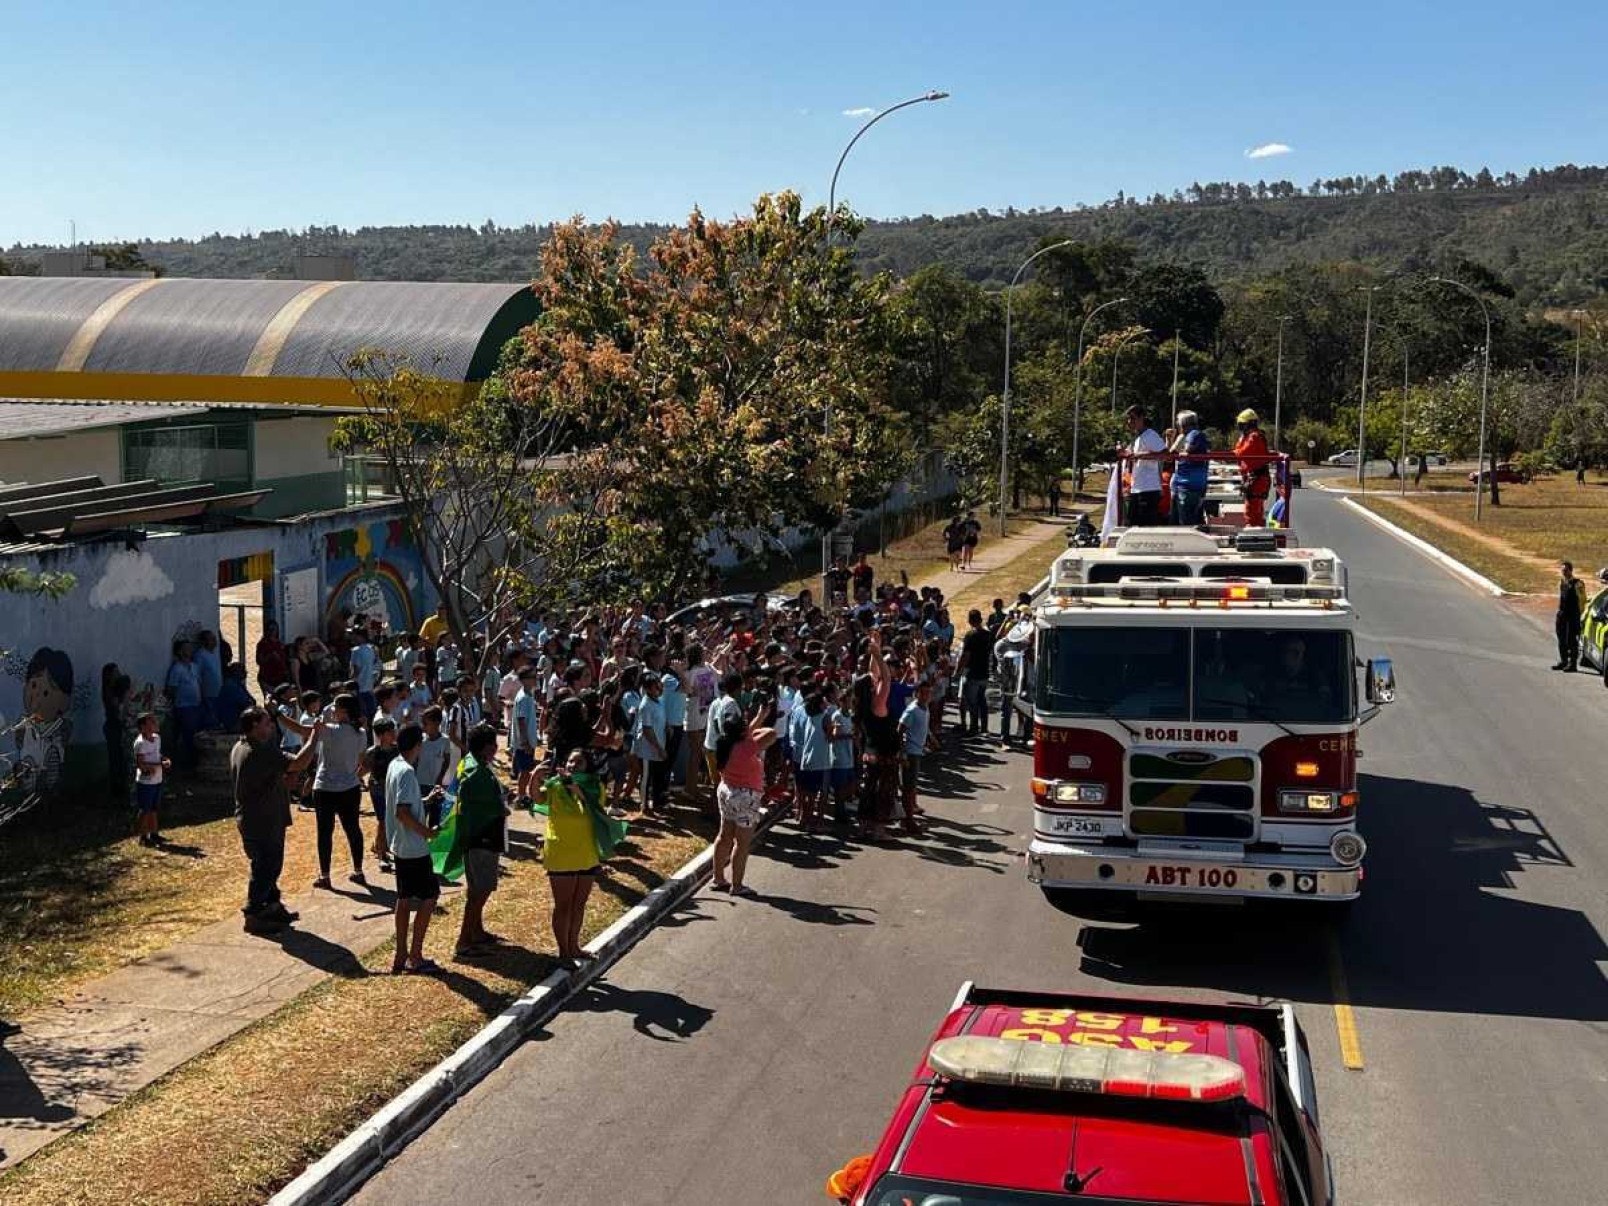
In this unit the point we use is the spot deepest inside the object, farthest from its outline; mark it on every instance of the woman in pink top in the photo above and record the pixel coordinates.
(741, 759)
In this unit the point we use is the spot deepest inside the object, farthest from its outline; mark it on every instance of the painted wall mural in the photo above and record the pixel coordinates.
(375, 571)
(33, 752)
(130, 576)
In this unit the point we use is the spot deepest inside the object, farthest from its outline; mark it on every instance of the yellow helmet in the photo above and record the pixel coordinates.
(1247, 416)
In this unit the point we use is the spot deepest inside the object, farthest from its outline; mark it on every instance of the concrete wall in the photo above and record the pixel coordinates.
(99, 451)
(296, 447)
(131, 601)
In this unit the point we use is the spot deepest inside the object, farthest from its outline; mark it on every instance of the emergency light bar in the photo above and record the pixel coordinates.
(1197, 590)
(1114, 1071)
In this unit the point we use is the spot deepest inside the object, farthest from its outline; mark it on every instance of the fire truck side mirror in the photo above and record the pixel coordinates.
(1381, 685)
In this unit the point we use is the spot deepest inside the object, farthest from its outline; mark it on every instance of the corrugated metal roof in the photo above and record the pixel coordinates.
(39, 320)
(23, 419)
(184, 328)
(176, 328)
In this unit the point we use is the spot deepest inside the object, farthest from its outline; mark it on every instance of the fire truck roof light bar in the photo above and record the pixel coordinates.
(1207, 589)
(1115, 1071)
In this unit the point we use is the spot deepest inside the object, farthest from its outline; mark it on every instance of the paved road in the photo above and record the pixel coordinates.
(747, 1048)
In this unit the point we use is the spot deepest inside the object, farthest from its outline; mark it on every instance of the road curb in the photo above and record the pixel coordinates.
(1472, 576)
(356, 1158)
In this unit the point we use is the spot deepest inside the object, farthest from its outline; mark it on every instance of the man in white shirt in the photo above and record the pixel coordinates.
(1144, 490)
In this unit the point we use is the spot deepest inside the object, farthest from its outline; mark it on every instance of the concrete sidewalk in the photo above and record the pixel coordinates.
(992, 554)
(118, 1034)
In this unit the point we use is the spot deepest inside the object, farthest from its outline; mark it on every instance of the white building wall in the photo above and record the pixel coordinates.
(294, 447)
(99, 452)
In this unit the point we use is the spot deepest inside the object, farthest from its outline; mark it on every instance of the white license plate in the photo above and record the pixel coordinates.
(1075, 826)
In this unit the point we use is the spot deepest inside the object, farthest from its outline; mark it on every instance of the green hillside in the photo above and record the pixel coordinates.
(1546, 233)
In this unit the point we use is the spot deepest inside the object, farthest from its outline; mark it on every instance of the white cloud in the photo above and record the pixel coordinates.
(1268, 150)
(130, 577)
(862, 111)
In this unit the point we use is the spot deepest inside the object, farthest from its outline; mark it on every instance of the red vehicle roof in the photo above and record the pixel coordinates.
(1144, 1150)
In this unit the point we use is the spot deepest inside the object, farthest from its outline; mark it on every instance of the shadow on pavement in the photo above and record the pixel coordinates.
(817, 913)
(1429, 934)
(661, 1016)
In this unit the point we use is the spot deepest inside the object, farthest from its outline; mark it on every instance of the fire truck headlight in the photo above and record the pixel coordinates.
(1308, 801)
(1080, 793)
(1348, 848)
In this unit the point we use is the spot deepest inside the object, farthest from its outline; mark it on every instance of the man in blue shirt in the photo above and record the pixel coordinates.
(364, 667)
(675, 723)
(408, 832)
(914, 727)
(184, 689)
(209, 664)
(650, 736)
(1189, 476)
(522, 734)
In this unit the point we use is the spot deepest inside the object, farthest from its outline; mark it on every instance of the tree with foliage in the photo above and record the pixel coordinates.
(478, 481)
(18, 581)
(700, 381)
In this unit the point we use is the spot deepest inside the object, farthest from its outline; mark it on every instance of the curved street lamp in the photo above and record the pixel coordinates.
(1077, 391)
(1005, 394)
(1485, 388)
(831, 214)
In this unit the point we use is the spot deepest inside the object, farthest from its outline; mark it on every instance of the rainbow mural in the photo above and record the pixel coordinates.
(374, 570)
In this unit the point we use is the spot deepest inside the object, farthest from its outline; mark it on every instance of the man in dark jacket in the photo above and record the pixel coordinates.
(261, 770)
(975, 665)
(1567, 622)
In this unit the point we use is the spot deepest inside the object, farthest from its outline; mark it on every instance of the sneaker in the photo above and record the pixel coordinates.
(322, 882)
(278, 912)
(357, 877)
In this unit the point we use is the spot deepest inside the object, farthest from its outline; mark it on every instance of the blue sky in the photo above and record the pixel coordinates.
(162, 119)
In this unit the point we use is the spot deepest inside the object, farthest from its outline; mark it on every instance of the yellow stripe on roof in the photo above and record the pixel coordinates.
(272, 340)
(76, 354)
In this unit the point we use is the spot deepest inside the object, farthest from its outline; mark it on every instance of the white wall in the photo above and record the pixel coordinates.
(294, 447)
(99, 452)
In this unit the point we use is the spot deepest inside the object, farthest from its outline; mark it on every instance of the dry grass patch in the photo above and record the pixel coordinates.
(1519, 543)
(238, 1122)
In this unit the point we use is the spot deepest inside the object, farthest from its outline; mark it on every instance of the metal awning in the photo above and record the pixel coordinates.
(84, 506)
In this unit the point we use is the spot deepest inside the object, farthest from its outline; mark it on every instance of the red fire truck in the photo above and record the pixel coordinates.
(1024, 1098)
(1195, 713)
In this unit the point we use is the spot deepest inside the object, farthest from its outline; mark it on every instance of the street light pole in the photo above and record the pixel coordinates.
(1178, 338)
(1485, 389)
(1116, 359)
(1005, 393)
(1077, 393)
(1580, 327)
(1362, 406)
(831, 215)
(1404, 386)
(1278, 388)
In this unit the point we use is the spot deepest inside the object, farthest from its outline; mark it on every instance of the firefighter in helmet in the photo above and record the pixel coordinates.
(1255, 465)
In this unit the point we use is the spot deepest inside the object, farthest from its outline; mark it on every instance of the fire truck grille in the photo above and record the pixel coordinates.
(1193, 796)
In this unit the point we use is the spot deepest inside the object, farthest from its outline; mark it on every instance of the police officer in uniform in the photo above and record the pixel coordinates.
(1567, 622)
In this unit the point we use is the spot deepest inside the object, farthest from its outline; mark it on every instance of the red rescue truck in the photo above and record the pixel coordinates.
(1195, 712)
(1028, 1098)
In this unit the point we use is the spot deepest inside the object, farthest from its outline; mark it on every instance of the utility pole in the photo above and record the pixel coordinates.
(1178, 338)
(1278, 389)
(1362, 406)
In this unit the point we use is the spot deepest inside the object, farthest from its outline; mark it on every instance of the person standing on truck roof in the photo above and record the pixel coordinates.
(1571, 596)
(1144, 496)
(1255, 473)
(1189, 475)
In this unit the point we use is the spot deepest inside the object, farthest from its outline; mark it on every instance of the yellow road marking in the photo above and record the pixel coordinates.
(1345, 1020)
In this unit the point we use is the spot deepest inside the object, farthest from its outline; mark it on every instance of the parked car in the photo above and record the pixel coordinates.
(728, 605)
(1507, 474)
(1346, 458)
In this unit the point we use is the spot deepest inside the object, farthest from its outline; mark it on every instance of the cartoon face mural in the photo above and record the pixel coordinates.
(374, 570)
(40, 738)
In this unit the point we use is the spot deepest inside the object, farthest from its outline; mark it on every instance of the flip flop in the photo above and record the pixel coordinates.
(718, 886)
(424, 967)
(745, 892)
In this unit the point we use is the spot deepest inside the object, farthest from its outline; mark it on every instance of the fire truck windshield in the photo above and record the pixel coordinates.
(1281, 675)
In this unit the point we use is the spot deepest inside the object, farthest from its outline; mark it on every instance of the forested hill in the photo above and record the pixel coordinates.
(1546, 233)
